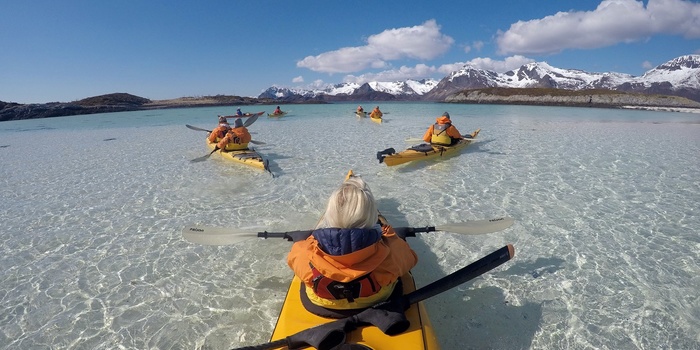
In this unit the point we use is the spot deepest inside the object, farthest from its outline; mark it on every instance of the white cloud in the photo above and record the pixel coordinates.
(420, 71)
(423, 42)
(509, 63)
(477, 45)
(647, 65)
(612, 22)
(298, 79)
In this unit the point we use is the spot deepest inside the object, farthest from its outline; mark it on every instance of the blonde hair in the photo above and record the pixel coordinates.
(350, 206)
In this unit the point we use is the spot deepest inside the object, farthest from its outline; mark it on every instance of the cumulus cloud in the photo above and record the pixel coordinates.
(477, 45)
(647, 65)
(420, 71)
(298, 79)
(612, 22)
(509, 63)
(423, 42)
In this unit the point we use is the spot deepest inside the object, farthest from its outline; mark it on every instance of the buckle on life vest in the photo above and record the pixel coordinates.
(327, 288)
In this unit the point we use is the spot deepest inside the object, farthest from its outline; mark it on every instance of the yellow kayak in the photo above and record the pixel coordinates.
(248, 157)
(294, 318)
(277, 115)
(423, 151)
(376, 120)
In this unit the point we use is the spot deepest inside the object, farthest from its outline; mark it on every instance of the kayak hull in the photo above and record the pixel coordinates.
(376, 120)
(431, 152)
(278, 115)
(245, 115)
(248, 157)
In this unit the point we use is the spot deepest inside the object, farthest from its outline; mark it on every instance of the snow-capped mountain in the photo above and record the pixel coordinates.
(403, 90)
(677, 77)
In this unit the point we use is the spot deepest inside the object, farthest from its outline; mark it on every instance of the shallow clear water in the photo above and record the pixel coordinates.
(605, 202)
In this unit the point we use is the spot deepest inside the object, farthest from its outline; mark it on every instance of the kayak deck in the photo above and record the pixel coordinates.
(424, 151)
(295, 318)
(248, 157)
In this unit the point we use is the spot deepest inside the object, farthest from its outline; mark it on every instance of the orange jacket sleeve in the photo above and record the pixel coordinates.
(402, 257)
(453, 132)
(428, 134)
(299, 259)
(225, 141)
(215, 134)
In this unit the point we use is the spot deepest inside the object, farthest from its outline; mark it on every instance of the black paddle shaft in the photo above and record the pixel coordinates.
(297, 236)
(462, 275)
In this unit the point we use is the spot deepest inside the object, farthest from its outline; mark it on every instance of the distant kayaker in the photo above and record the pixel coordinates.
(442, 132)
(360, 110)
(376, 113)
(237, 138)
(277, 110)
(350, 261)
(238, 112)
(220, 131)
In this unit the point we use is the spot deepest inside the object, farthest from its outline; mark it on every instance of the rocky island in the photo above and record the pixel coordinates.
(572, 98)
(121, 102)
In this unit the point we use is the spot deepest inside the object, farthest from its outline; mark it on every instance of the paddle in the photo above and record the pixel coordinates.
(224, 236)
(203, 158)
(332, 334)
(416, 140)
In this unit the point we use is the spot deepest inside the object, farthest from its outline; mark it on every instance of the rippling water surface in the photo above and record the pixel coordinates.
(605, 202)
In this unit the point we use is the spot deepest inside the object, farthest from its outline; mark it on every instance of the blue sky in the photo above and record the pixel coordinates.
(69, 50)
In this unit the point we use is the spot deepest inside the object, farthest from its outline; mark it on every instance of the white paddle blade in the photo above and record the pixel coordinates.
(215, 235)
(478, 227)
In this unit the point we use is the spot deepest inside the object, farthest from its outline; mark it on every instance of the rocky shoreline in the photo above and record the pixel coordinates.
(121, 102)
(580, 98)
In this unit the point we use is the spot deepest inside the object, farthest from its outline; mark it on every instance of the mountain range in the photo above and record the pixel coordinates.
(677, 77)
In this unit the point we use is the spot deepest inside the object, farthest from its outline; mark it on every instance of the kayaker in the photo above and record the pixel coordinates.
(360, 110)
(442, 132)
(237, 138)
(220, 131)
(350, 261)
(277, 110)
(376, 113)
(238, 112)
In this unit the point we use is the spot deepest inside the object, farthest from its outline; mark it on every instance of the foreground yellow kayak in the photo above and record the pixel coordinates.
(423, 151)
(248, 157)
(376, 120)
